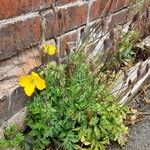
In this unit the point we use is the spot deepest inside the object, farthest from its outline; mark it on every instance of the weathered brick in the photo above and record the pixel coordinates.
(97, 9)
(3, 105)
(65, 19)
(100, 8)
(116, 5)
(63, 2)
(11, 104)
(17, 119)
(103, 7)
(67, 42)
(12, 99)
(11, 8)
(19, 65)
(121, 4)
(19, 35)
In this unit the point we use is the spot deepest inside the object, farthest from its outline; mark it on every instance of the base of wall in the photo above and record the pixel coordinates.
(19, 117)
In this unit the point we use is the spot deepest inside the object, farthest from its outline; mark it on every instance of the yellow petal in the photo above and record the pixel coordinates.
(40, 84)
(38, 81)
(33, 74)
(50, 49)
(25, 80)
(29, 90)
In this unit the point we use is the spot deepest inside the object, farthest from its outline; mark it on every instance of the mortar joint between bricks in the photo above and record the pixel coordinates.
(18, 18)
(88, 13)
(77, 3)
(43, 29)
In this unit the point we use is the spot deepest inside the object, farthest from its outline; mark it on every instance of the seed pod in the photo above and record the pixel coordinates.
(136, 17)
(147, 13)
(125, 74)
(138, 72)
(129, 83)
(112, 35)
(107, 44)
(147, 67)
(59, 14)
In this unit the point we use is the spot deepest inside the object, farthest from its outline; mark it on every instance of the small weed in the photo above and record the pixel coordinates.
(12, 138)
(74, 111)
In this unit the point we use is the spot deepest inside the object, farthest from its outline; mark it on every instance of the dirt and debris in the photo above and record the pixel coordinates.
(139, 131)
(139, 137)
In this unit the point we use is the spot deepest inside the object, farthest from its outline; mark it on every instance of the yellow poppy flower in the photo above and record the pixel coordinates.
(50, 49)
(39, 82)
(31, 82)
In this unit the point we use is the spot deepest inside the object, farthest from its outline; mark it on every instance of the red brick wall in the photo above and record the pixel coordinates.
(26, 24)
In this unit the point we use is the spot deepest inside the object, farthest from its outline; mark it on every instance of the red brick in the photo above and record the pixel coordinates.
(112, 5)
(121, 4)
(98, 9)
(65, 20)
(68, 42)
(115, 5)
(103, 7)
(19, 36)
(63, 2)
(11, 8)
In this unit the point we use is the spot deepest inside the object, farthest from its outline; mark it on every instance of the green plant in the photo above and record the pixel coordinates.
(75, 108)
(123, 53)
(12, 138)
(74, 111)
(126, 45)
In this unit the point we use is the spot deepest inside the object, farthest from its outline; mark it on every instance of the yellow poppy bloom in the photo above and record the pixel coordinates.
(31, 82)
(50, 49)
